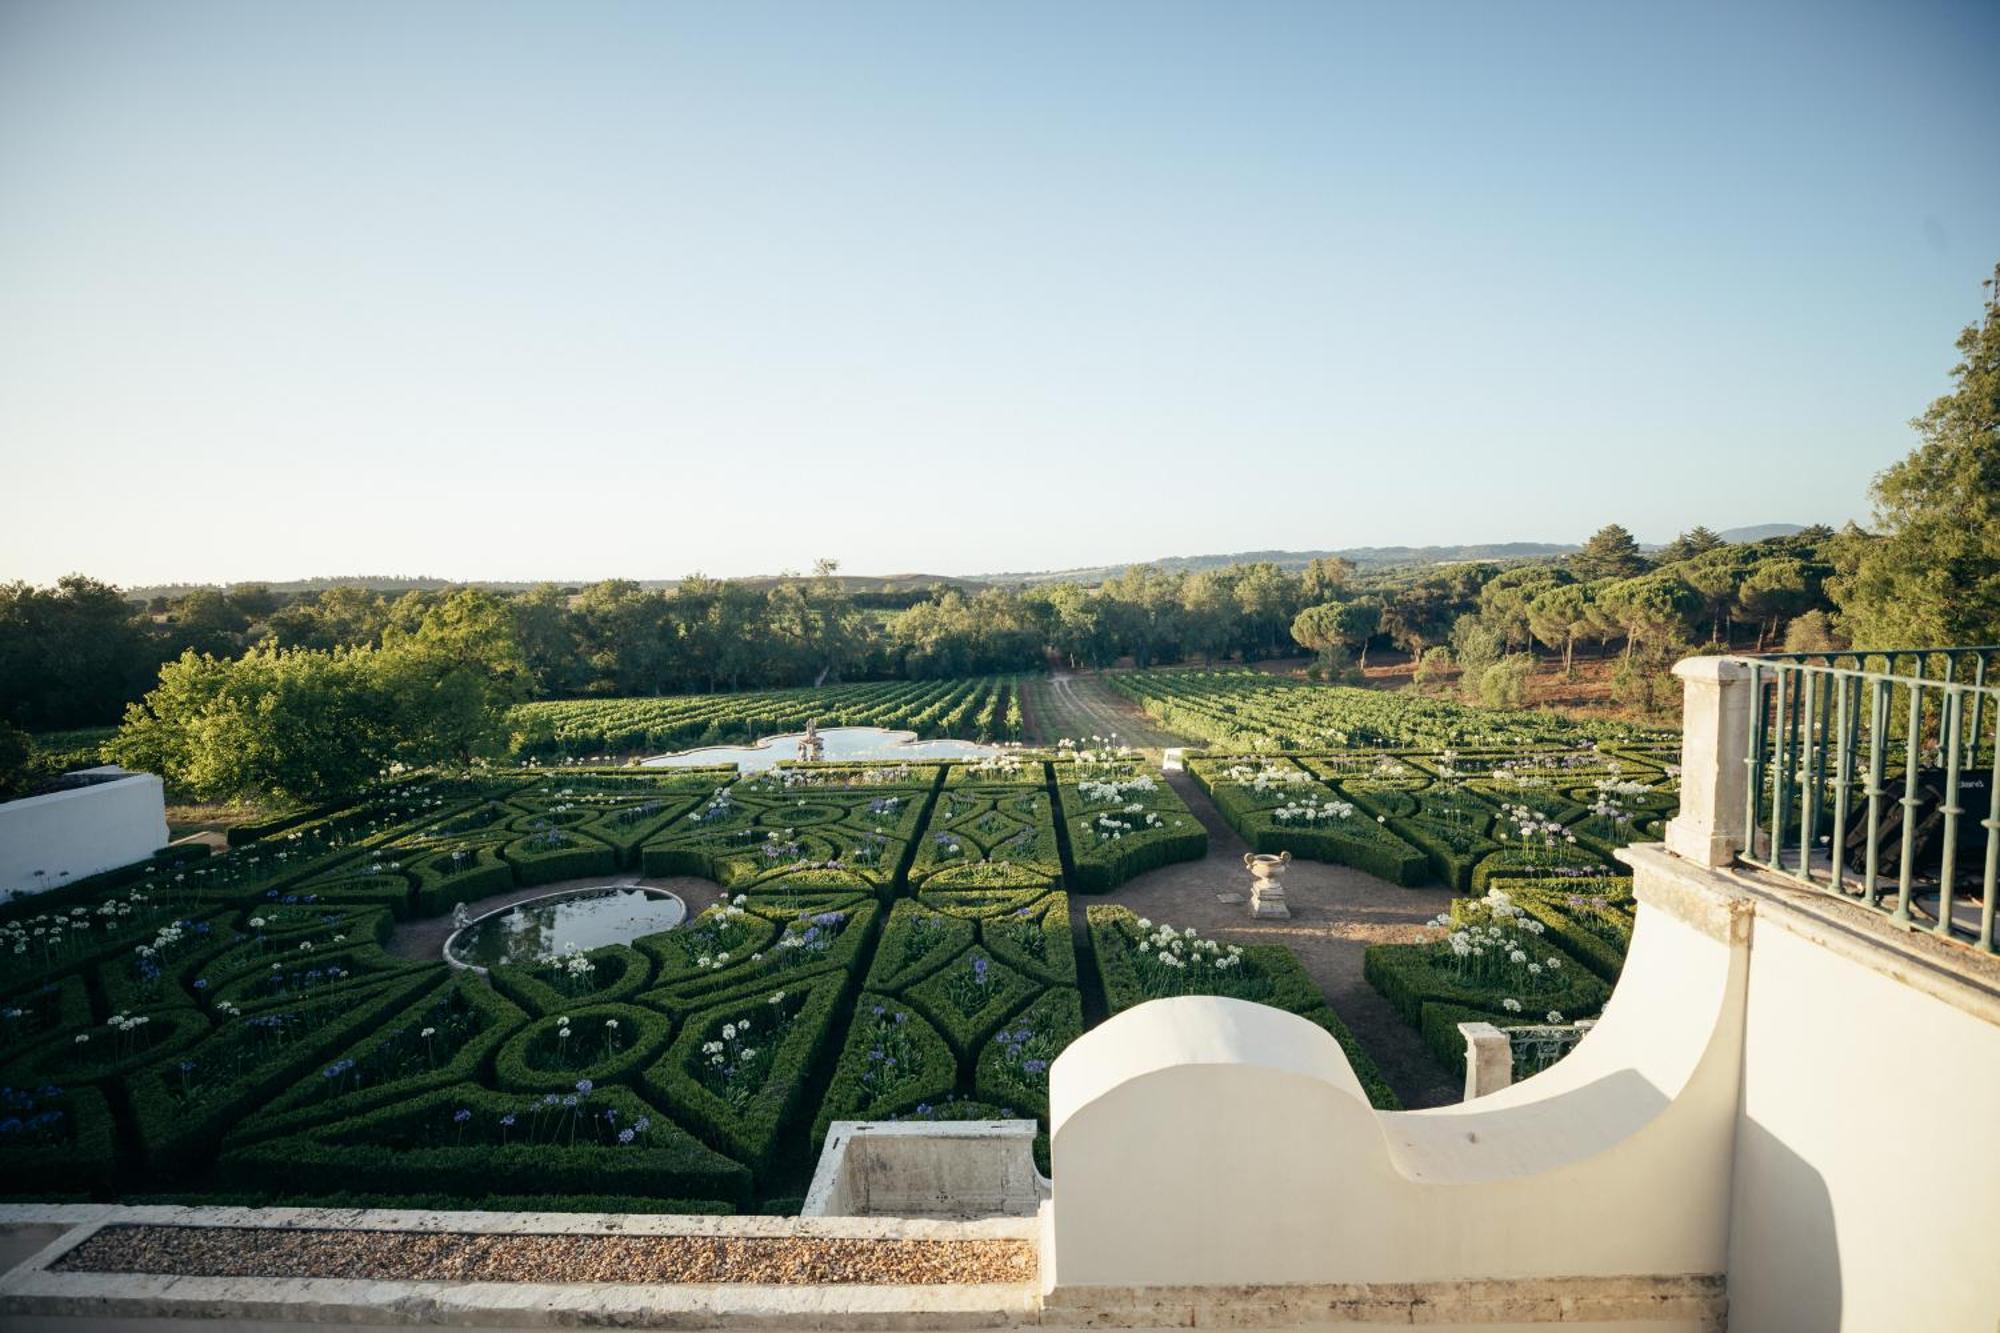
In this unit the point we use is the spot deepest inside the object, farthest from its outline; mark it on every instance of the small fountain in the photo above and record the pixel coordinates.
(811, 748)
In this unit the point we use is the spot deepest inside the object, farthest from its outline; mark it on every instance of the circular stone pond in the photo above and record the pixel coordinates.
(540, 928)
(841, 743)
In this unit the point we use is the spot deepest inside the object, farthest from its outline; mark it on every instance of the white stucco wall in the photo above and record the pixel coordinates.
(67, 835)
(1867, 1184)
(1205, 1141)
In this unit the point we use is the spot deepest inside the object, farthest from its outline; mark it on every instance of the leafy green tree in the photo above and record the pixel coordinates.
(297, 724)
(1321, 630)
(1558, 615)
(1475, 646)
(1652, 609)
(1933, 578)
(1611, 553)
(451, 679)
(1812, 632)
(1504, 602)
(1432, 668)
(1325, 579)
(1208, 599)
(72, 655)
(1774, 592)
(1504, 684)
(1697, 540)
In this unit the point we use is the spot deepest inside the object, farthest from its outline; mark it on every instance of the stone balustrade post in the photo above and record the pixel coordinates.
(1715, 735)
(1489, 1059)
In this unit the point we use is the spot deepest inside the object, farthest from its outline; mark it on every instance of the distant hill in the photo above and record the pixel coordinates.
(1758, 532)
(903, 585)
(858, 584)
(1294, 560)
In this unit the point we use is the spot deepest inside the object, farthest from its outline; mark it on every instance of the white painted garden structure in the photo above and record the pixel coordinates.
(102, 819)
(1782, 1122)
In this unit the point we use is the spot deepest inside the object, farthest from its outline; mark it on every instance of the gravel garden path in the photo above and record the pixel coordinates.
(1337, 912)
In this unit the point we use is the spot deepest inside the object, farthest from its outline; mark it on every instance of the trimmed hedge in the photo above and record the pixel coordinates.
(1581, 929)
(916, 942)
(442, 884)
(547, 867)
(1410, 976)
(83, 1161)
(175, 1133)
(1002, 1075)
(409, 1145)
(998, 989)
(618, 972)
(753, 1134)
(524, 1064)
(864, 1087)
(779, 966)
(1380, 854)
(65, 1061)
(288, 978)
(1034, 939)
(312, 1100)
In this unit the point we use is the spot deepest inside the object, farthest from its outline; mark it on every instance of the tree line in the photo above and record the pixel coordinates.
(417, 677)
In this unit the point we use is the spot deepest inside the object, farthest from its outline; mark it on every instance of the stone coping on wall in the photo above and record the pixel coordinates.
(1962, 976)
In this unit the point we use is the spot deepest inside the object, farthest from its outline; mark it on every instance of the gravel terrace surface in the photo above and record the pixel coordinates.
(410, 1256)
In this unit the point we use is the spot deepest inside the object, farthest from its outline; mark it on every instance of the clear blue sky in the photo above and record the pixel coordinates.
(572, 290)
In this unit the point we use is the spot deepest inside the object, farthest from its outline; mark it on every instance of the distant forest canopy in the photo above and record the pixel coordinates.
(253, 689)
(75, 655)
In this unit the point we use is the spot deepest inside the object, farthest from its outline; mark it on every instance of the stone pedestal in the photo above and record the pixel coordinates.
(1267, 889)
(1489, 1059)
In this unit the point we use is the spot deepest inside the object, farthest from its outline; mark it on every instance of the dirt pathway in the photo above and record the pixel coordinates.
(1065, 705)
(1337, 912)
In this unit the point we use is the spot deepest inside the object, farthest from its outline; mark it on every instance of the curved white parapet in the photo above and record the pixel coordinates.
(1205, 1141)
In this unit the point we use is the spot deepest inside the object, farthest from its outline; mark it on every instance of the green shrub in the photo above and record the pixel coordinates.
(968, 999)
(616, 971)
(553, 1054)
(894, 1059)
(181, 1114)
(420, 1145)
(746, 1116)
(1411, 975)
(397, 1060)
(916, 942)
(64, 1141)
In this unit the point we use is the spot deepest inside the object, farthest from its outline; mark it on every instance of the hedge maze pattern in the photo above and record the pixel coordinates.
(898, 942)
(233, 1028)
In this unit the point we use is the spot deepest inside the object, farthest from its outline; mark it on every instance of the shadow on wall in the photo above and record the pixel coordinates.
(1784, 1254)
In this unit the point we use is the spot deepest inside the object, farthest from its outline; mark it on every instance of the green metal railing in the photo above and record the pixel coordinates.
(1876, 776)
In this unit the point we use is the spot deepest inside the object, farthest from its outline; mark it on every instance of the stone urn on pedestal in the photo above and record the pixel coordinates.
(1267, 888)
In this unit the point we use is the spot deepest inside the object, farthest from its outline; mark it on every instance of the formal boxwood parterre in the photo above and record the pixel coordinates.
(1501, 959)
(1465, 820)
(896, 941)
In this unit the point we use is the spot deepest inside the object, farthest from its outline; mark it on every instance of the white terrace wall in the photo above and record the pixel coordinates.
(1867, 1191)
(1788, 1099)
(62, 836)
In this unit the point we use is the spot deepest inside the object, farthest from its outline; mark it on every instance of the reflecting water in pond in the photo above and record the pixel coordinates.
(848, 743)
(541, 928)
